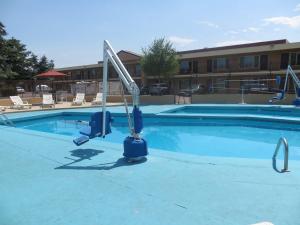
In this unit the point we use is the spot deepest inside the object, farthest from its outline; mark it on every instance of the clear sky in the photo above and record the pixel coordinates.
(71, 32)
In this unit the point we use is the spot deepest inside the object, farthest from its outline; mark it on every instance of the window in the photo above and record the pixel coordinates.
(295, 59)
(138, 70)
(94, 73)
(195, 66)
(220, 64)
(249, 61)
(264, 62)
(284, 61)
(185, 67)
(209, 65)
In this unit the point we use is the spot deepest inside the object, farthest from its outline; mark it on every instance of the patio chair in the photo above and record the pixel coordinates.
(18, 103)
(48, 101)
(2, 108)
(98, 99)
(79, 100)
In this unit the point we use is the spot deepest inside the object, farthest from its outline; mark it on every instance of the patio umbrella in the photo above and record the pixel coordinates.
(51, 74)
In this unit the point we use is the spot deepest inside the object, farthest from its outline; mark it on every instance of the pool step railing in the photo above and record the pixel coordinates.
(281, 141)
(6, 121)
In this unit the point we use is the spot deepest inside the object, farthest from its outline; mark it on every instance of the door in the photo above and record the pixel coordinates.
(284, 61)
(263, 62)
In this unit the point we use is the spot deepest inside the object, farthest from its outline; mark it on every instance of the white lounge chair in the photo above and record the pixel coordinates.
(79, 100)
(18, 103)
(98, 99)
(48, 101)
(2, 108)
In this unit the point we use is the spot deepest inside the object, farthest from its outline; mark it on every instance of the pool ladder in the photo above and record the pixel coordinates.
(281, 141)
(6, 121)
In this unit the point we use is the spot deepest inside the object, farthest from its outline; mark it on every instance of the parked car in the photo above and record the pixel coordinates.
(20, 90)
(255, 87)
(196, 89)
(144, 90)
(42, 87)
(159, 89)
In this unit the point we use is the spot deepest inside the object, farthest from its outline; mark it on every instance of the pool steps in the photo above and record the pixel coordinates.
(5, 120)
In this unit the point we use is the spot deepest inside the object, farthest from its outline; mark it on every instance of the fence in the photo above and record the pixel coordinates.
(90, 87)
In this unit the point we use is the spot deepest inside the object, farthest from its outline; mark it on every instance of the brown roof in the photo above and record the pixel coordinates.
(255, 44)
(130, 52)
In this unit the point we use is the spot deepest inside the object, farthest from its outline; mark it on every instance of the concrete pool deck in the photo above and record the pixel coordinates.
(46, 179)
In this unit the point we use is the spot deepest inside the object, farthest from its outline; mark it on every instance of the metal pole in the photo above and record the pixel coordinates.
(243, 102)
(104, 88)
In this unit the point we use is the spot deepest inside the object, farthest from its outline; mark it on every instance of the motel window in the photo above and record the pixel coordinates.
(295, 59)
(249, 61)
(138, 70)
(195, 66)
(284, 60)
(89, 74)
(264, 62)
(209, 65)
(185, 67)
(220, 63)
(94, 73)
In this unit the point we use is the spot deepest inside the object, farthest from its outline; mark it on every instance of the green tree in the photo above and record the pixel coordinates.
(160, 59)
(44, 65)
(16, 62)
(2, 30)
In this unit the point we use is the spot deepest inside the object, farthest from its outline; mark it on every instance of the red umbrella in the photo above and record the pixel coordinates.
(51, 73)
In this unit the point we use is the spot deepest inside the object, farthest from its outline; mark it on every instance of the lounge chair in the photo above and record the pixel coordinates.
(18, 103)
(79, 100)
(2, 108)
(48, 101)
(98, 99)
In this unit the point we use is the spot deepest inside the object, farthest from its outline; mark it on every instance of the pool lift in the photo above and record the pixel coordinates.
(281, 95)
(135, 147)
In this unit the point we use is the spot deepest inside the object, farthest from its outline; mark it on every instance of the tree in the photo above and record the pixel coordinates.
(160, 59)
(16, 62)
(2, 30)
(44, 65)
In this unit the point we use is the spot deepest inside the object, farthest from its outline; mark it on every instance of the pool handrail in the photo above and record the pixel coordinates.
(286, 153)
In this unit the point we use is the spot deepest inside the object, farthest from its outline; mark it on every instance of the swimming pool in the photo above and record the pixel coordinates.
(223, 137)
(222, 162)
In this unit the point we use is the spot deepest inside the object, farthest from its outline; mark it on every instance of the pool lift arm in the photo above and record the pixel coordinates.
(281, 95)
(135, 147)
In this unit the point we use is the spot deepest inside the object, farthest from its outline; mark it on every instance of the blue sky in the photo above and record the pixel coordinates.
(71, 32)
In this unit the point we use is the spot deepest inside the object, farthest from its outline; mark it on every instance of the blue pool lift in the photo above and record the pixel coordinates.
(281, 95)
(135, 147)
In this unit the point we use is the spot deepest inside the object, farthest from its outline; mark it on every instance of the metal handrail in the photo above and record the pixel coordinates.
(286, 153)
(6, 120)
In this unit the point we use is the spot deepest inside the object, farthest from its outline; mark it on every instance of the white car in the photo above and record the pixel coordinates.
(42, 87)
(20, 90)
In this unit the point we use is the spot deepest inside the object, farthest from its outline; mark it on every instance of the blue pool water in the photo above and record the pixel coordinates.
(209, 137)
(252, 110)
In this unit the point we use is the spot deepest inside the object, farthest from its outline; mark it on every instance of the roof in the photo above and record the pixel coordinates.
(89, 66)
(252, 48)
(130, 52)
(255, 44)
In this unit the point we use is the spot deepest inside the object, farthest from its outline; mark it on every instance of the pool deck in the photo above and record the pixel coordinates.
(46, 179)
